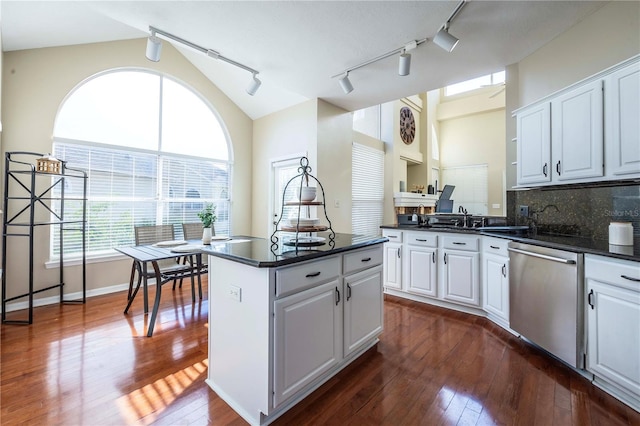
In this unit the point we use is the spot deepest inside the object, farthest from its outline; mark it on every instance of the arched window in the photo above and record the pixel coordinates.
(154, 151)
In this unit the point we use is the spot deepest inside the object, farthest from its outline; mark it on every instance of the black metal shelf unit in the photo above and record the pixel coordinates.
(26, 193)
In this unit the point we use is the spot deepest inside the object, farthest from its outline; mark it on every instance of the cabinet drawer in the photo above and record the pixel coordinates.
(393, 235)
(497, 246)
(362, 259)
(301, 277)
(622, 273)
(461, 242)
(426, 239)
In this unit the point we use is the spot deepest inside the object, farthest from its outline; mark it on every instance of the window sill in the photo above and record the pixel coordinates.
(77, 261)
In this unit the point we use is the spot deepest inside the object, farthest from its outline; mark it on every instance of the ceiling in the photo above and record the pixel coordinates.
(299, 45)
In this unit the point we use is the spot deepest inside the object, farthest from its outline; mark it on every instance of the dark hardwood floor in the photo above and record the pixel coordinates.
(93, 365)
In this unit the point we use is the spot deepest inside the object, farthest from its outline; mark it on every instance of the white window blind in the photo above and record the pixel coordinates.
(147, 182)
(367, 190)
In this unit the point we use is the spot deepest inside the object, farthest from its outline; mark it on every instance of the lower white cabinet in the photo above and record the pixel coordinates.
(613, 324)
(393, 259)
(495, 279)
(363, 307)
(301, 356)
(420, 264)
(460, 269)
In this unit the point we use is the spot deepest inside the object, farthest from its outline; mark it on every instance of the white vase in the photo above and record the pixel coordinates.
(206, 235)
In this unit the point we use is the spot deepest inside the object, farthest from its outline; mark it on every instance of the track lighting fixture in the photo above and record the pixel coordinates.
(254, 85)
(404, 64)
(154, 47)
(346, 85)
(443, 38)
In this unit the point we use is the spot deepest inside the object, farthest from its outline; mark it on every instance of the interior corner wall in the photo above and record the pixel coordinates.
(334, 148)
(36, 82)
(608, 36)
(278, 136)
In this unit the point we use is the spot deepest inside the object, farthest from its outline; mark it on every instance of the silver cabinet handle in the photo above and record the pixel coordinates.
(337, 296)
(504, 270)
(459, 244)
(543, 256)
(314, 274)
(398, 253)
(366, 259)
(495, 247)
(445, 258)
(421, 240)
(433, 257)
(392, 236)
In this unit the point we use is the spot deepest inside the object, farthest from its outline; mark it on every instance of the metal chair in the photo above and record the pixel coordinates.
(151, 234)
(193, 231)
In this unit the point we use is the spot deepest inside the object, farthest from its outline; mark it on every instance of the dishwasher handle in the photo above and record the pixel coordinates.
(543, 256)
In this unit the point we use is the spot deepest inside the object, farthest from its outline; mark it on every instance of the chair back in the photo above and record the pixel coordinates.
(192, 231)
(151, 234)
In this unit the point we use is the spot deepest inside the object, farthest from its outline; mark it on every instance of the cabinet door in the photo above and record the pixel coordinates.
(534, 145)
(420, 266)
(577, 137)
(461, 283)
(362, 308)
(307, 338)
(613, 350)
(496, 285)
(393, 265)
(622, 132)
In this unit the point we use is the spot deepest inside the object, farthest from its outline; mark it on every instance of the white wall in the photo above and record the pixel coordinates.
(601, 40)
(284, 134)
(36, 81)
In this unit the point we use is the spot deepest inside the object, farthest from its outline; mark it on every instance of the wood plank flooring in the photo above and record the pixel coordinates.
(93, 365)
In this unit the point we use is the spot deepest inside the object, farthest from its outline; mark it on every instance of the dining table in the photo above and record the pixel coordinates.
(148, 256)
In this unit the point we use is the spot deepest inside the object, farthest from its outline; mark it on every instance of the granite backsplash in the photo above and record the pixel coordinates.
(584, 211)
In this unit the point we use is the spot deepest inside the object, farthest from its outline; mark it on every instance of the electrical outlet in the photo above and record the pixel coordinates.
(234, 292)
(523, 211)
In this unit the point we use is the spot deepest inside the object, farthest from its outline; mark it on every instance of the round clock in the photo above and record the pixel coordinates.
(407, 125)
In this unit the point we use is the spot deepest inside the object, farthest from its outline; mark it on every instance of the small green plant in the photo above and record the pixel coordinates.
(207, 215)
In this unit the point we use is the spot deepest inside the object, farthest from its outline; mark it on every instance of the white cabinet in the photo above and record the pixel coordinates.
(420, 263)
(577, 133)
(363, 307)
(534, 144)
(393, 259)
(495, 279)
(460, 269)
(613, 324)
(302, 356)
(622, 132)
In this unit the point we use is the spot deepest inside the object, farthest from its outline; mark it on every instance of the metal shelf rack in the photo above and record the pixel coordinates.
(24, 200)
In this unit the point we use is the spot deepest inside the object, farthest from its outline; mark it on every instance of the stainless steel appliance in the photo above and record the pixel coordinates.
(546, 302)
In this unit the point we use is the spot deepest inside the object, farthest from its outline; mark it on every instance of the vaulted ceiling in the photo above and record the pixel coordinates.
(299, 45)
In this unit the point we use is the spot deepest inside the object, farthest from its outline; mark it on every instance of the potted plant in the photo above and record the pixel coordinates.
(207, 217)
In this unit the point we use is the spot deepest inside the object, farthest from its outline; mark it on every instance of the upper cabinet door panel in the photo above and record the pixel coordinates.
(577, 133)
(534, 145)
(622, 127)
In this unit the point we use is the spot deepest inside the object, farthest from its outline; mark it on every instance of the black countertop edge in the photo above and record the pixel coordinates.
(560, 242)
(259, 252)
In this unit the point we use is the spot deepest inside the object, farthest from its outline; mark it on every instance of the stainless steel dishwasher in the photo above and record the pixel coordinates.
(546, 301)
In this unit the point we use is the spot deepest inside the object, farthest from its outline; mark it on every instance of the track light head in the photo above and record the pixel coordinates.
(445, 40)
(154, 48)
(346, 85)
(404, 64)
(254, 85)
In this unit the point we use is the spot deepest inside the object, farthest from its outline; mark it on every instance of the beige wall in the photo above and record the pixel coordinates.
(285, 134)
(603, 39)
(35, 82)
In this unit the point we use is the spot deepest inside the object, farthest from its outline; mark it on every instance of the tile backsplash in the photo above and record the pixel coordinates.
(584, 211)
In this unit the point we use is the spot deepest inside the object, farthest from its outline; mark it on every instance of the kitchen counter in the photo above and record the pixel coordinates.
(561, 242)
(261, 253)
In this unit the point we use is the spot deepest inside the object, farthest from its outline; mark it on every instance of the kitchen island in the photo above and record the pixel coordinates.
(284, 320)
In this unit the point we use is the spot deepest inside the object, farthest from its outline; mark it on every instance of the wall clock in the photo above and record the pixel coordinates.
(407, 125)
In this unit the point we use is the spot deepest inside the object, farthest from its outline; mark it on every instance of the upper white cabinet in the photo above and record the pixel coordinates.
(577, 134)
(622, 128)
(534, 144)
(586, 133)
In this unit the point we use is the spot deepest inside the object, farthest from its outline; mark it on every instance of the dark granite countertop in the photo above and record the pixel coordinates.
(561, 242)
(261, 253)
